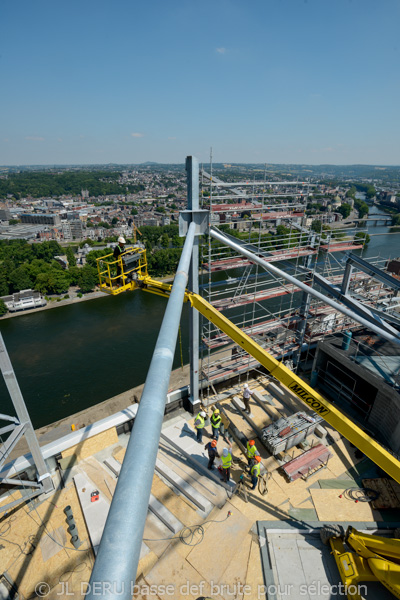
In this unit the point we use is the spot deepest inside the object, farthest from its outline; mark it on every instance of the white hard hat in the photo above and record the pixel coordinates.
(121, 239)
(202, 414)
(225, 452)
(245, 385)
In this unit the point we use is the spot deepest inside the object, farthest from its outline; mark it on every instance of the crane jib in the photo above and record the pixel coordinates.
(316, 405)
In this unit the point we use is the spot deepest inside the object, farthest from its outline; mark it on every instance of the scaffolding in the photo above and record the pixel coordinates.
(269, 219)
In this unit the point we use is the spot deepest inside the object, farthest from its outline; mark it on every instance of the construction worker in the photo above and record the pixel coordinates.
(247, 394)
(224, 426)
(118, 250)
(215, 423)
(211, 447)
(251, 452)
(226, 463)
(255, 471)
(199, 424)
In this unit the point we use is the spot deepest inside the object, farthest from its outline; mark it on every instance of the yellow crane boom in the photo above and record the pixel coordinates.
(332, 415)
(311, 398)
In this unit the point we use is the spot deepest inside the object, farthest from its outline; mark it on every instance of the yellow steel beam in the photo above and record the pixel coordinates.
(301, 389)
(379, 455)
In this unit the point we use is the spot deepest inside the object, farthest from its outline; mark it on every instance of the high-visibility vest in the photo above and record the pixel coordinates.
(215, 421)
(251, 450)
(202, 422)
(226, 461)
(255, 470)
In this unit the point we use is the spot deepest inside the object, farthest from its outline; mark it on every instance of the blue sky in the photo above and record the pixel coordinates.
(277, 81)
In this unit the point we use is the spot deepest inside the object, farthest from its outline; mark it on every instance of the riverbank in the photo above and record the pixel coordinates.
(179, 378)
(73, 299)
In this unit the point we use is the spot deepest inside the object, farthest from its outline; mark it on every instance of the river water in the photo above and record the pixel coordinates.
(70, 358)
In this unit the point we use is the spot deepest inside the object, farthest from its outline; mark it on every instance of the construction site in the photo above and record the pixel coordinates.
(129, 507)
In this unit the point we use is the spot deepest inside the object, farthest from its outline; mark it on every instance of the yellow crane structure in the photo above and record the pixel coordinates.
(372, 558)
(134, 275)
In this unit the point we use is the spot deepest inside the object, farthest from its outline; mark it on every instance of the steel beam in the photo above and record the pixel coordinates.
(355, 305)
(346, 278)
(6, 429)
(376, 273)
(192, 171)
(23, 417)
(217, 235)
(9, 418)
(114, 571)
(10, 442)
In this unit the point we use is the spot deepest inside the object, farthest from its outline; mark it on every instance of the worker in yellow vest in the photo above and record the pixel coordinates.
(255, 471)
(199, 424)
(215, 423)
(226, 458)
(251, 452)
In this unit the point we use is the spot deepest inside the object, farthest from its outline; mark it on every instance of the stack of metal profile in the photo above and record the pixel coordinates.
(287, 432)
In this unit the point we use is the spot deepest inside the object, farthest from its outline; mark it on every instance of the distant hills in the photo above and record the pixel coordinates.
(385, 173)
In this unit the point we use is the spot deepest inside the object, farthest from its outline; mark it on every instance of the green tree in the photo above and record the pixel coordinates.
(20, 279)
(94, 254)
(73, 273)
(164, 241)
(4, 291)
(3, 308)
(52, 281)
(363, 237)
(87, 279)
(316, 226)
(71, 257)
(344, 210)
(351, 192)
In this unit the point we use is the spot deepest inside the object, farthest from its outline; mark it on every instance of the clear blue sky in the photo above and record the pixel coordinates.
(277, 81)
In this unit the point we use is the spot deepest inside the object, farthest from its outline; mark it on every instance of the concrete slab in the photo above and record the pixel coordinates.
(183, 486)
(95, 513)
(180, 507)
(304, 555)
(156, 535)
(206, 485)
(181, 438)
(99, 476)
(164, 515)
(312, 573)
(113, 465)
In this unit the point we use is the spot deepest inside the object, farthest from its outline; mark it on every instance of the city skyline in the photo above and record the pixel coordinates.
(279, 82)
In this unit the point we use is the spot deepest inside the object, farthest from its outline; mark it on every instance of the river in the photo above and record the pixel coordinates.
(73, 357)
